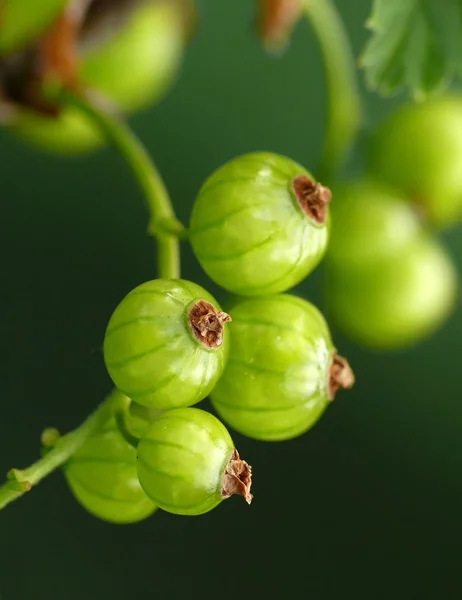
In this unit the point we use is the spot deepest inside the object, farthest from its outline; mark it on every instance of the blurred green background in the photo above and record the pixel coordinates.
(366, 505)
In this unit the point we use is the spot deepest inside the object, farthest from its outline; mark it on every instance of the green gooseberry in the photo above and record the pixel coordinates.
(165, 345)
(260, 224)
(24, 20)
(418, 149)
(187, 463)
(394, 302)
(369, 222)
(133, 69)
(102, 476)
(282, 371)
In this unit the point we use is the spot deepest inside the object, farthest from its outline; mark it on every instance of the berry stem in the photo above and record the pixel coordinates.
(344, 111)
(163, 224)
(167, 230)
(21, 481)
(122, 418)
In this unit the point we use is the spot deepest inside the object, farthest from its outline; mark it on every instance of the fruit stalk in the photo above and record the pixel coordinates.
(21, 481)
(163, 224)
(344, 111)
(167, 230)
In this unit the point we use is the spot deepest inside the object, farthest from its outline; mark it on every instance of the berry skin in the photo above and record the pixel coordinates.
(369, 223)
(418, 149)
(23, 20)
(260, 224)
(282, 370)
(187, 463)
(103, 478)
(165, 344)
(394, 302)
(150, 48)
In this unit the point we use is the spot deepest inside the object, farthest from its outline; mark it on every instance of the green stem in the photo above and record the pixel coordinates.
(122, 418)
(163, 224)
(21, 481)
(344, 111)
(166, 229)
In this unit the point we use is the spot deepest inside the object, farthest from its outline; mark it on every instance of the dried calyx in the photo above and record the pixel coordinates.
(312, 197)
(276, 21)
(207, 323)
(237, 478)
(341, 375)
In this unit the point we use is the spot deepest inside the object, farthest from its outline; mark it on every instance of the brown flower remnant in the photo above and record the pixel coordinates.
(237, 478)
(340, 375)
(276, 20)
(312, 197)
(207, 323)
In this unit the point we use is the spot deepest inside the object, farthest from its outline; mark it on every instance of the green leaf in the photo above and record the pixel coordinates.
(415, 44)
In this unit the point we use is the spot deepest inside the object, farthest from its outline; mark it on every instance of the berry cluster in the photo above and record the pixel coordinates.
(260, 224)
(389, 281)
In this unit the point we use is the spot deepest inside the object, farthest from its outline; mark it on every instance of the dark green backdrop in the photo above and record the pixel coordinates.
(365, 506)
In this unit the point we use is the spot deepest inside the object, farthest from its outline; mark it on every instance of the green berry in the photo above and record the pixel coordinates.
(187, 463)
(282, 370)
(103, 477)
(24, 20)
(150, 48)
(397, 301)
(133, 69)
(369, 223)
(260, 224)
(418, 149)
(165, 344)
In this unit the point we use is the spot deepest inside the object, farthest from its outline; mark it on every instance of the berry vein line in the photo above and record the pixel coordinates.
(343, 116)
(166, 229)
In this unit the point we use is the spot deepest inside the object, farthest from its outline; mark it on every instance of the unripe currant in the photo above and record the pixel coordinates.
(23, 20)
(418, 149)
(187, 463)
(260, 224)
(369, 223)
(165, 344)
(102, 476)
(132, 69)
(394, 302)
(282, 371)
